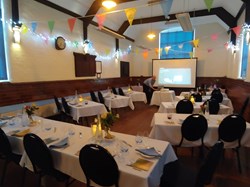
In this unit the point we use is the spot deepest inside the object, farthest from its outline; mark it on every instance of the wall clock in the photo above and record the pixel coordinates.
(60, 43)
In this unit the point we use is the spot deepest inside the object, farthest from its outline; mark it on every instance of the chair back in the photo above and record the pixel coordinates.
(214, 106)
(217, 96)
(216, 90)
(38, 153)
(65, 106)
(232, 128)
(184, 106)
(99, 165)
(114, 91)
(242, 110)
(58, 104)
(121, 92)
(5, 147)
(197, 97)
(194, 128)
(100, 96)
(93, 96)
(206, 171)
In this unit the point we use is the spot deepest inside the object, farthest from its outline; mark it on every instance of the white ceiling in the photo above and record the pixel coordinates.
(117, 16)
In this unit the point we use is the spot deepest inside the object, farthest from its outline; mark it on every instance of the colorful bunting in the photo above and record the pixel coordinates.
(180, 46)
(107, 51)
(237, 30)
(214, 37)
(196, 42)
(209, 4)
(209, 50)
(33, 26)
(130, 13)
(71, 23)
(100, 19)
(167, 49)
(191, 54)
(51, 25)
(24, 29)
(157, 51)
(145, 54)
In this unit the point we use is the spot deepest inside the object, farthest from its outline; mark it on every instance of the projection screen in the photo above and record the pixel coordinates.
(175, 73)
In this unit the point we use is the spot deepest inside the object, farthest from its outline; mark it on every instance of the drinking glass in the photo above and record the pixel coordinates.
(139, 138)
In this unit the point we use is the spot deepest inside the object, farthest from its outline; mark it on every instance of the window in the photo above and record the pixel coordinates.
(180, 43)
(3, 68)
(243, 70)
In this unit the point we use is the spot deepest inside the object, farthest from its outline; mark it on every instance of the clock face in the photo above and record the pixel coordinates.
(60, 43)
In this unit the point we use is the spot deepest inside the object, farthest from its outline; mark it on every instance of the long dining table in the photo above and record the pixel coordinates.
(169, 107)
(170, 130)
(66, 159)
(118, 101)
(162, 96)
(86, 108)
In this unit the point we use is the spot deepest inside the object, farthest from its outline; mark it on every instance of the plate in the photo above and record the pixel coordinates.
(2, 123)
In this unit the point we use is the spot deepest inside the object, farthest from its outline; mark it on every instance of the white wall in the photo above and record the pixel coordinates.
(36, 60)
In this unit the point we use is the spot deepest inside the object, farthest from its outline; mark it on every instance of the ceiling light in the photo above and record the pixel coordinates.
(185, 22)
(151, 36)
(108, 4)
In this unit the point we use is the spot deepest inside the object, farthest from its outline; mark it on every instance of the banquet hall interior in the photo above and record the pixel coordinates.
(55, 50)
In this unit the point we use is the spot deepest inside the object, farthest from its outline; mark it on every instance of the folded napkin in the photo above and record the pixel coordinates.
(149, 152)
(50, 140)
(21, 133)
(61, 144)
(142, 164)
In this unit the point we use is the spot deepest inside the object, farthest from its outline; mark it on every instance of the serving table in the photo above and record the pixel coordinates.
(162, 96)
(66, 159)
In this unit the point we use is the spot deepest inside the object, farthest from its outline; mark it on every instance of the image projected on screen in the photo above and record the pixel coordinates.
(178, 76)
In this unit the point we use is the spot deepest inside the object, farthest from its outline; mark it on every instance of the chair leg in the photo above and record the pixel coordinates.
(238, 160)
(4, 172)
(23, 176)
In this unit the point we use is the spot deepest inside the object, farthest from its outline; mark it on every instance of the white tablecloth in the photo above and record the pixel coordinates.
(118, 101)
(169, 107)
(67, 160)
(162, 96)
(137, 88)
(86, 108)
(208, 93)
(136, 96)
(170, 130)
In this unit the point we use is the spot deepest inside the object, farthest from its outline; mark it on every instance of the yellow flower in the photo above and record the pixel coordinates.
(104, 115)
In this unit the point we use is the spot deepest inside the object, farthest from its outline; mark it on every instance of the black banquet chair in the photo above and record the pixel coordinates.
(67, 111)
(184, 106)
(176, 174)
(217, 96)
(194, 128)
(114, 91)
(41, 159)
(101, 99)
(231, 129)
(197, 97)
(99, 166)
(93, 96)
(6, 154)
(214, 106)
(121, 92)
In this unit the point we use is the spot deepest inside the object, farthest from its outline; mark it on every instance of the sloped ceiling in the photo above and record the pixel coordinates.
(150, 12)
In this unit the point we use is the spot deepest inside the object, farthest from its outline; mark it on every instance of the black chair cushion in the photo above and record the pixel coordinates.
(184, 106)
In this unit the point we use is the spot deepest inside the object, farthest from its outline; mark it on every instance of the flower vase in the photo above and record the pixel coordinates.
(32, 122)
(107, 133)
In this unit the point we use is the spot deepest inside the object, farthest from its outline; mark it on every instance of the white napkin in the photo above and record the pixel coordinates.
(61, 144)
(149, 152)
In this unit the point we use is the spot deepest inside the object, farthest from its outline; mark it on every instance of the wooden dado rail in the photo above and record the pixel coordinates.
(16, 93)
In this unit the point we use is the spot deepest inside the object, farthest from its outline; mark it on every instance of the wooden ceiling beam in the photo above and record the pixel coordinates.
(220, 12)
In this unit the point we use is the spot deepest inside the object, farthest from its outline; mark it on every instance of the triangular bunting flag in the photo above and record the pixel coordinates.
(214, 37)
(136, 51)
(209, 4)
(191, 54)
(226, 45)
(33, 26)
(130, 13)
(24, 29)
(160, 51)
(71, 23)
(157, 51)
(107, 51)
(167, 49)
(209, 50)
(100, 20)
(75, 43)
(180, 46)
(145, 54)
(196, 42)
(51, 25)
(237, 30)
